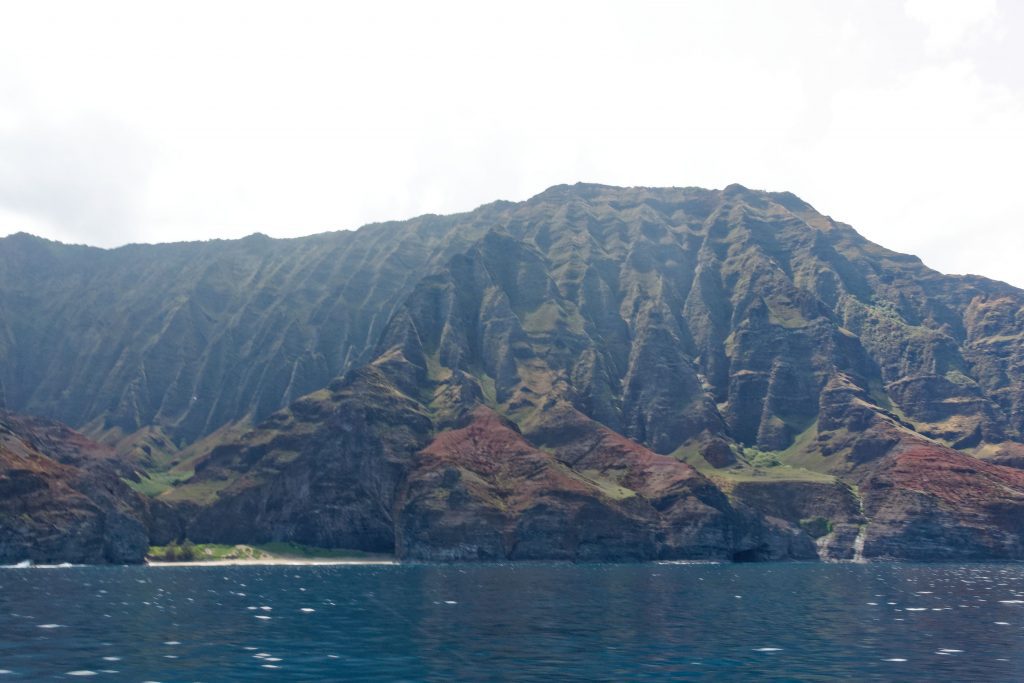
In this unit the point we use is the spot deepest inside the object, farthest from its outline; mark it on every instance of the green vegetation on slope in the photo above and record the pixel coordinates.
(214, 552)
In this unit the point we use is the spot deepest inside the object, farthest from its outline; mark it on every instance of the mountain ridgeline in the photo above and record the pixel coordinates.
(597, 373)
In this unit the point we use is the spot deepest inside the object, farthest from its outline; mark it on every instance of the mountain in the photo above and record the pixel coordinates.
(165, 343)
(62, 499)
(595, 373)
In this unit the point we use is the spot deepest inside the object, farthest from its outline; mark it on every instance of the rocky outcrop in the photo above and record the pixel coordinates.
(62, 500)
(326, 472)
(927, 502)
(483, 492)
(827, 511)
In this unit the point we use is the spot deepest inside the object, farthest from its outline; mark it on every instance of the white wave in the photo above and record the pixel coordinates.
(24, 564)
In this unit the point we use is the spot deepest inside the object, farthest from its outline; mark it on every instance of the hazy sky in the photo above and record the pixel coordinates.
(152, 122)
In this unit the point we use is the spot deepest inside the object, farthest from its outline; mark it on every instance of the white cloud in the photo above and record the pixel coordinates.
(218, 119)
(82, 180)
(929, 165)
(950, 22)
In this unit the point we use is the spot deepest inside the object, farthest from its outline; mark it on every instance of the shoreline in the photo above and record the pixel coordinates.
(239, 562)
(326, 561)
(270, 561)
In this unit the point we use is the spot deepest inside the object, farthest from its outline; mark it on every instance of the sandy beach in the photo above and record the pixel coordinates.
(289, 561)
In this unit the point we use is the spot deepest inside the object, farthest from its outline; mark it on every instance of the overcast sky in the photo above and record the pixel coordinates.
(155, 122)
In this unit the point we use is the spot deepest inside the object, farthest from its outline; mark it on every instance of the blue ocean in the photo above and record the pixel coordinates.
(521, 622)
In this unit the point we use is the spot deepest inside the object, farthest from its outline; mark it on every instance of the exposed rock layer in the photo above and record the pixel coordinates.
(62, 500)
(668, 312)
(527, 380)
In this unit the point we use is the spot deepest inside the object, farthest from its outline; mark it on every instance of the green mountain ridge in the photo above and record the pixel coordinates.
(497, 378)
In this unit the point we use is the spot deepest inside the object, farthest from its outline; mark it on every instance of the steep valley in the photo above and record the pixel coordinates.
(595, 374)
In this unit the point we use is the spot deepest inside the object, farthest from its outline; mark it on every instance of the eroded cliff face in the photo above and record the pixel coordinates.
(742, 305)
(61, 499)
(931, 503)
(596, 373)
(151, 347)
(363, 465)
(483, 492)
(676, 316)
(325, 472)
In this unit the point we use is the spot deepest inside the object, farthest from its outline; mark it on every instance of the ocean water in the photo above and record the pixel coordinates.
(514, 622)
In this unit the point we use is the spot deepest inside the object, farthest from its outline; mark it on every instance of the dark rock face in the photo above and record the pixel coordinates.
(484, 492)
(926, 502)
(362, 466)
(526, 380)
(324, 473)
(718, 453)
(61, 499)
(828, 512)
